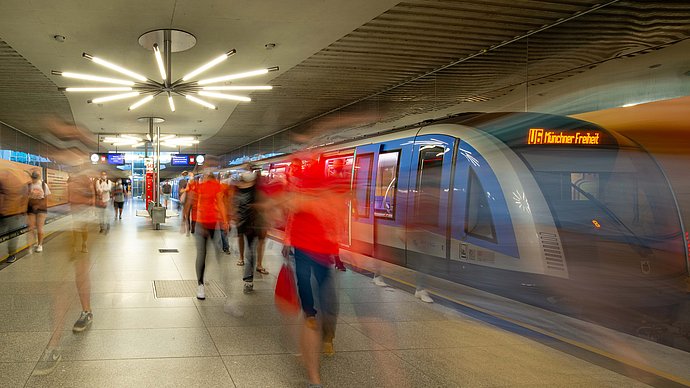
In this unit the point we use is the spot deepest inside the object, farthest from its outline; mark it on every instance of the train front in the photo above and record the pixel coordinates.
(617, 218)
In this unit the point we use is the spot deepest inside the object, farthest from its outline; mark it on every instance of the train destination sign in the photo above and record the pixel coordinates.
(116, 159)
(581, 137)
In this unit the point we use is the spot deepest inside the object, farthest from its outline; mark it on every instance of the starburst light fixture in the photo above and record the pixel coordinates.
(148, 88)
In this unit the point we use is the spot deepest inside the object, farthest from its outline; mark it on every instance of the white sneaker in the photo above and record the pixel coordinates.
(39, 248)
(378, 280)
(201, 292)
(423, 295)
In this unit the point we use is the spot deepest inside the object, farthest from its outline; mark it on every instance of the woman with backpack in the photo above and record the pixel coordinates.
(37, 209)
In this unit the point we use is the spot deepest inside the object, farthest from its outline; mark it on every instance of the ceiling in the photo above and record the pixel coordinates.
(344, 65)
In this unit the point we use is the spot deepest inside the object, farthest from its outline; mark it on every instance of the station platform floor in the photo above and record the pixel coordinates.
(385, 336)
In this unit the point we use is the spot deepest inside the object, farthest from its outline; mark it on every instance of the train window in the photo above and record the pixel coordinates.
(429, 185)
(386, 184)
(479, 222)
(581, 183)
(363, 167)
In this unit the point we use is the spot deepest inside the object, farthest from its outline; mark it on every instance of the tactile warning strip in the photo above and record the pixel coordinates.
(185, 289)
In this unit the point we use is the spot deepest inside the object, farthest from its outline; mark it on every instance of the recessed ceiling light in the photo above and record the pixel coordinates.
(654, 66)
(59, 38)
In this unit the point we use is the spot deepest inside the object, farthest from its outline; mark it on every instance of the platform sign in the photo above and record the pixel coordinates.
(148, 163)
(187, 160)
(117, 159)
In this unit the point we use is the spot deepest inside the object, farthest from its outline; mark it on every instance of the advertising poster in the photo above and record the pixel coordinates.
(57, 181)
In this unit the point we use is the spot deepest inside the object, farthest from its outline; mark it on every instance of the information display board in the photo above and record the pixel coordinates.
(116, 159)
(185, 160)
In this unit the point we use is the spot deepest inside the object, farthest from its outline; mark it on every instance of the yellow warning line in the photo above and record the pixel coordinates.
(539, 330)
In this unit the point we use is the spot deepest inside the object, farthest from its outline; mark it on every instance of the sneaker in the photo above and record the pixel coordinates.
(83, 322)
(378, 280)
(39, 248)
(11, 259)
(423, 295)
(201, 292)
(340, 267)
(328, 348)
(47, 363)
(248, 287)
(84, 249)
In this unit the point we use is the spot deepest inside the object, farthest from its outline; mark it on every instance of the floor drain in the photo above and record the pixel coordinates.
(168, 250)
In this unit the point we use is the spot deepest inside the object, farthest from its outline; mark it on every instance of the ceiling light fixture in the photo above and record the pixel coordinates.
(163, 43)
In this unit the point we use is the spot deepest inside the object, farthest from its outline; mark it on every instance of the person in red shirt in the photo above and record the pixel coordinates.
(210, 217)
(312, 231)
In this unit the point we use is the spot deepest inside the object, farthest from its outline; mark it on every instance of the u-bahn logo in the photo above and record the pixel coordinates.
(542, 136)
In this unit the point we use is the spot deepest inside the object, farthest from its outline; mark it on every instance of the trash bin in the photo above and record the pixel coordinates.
(157, 216)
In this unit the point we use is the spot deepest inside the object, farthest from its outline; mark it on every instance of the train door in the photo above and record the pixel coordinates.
(362, 215)
(427, 231)
(339, 168)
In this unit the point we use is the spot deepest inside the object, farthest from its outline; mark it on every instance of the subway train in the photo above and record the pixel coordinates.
(549, 210)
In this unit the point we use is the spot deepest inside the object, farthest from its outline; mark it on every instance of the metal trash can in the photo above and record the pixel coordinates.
(157, 216)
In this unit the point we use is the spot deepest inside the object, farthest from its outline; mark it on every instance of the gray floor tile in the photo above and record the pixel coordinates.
(416, 335)
(139, 318)
(137, 300)
(280, 370)
(251, 340)
(372, 369)
(22, 346)
(15, 374)
(259, 315)
(137, 343)
(122, 286)
(167, 372)
(374, 295)
(389, 312)
(26, 320)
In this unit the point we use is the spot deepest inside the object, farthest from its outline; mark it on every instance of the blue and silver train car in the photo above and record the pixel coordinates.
(539, 208)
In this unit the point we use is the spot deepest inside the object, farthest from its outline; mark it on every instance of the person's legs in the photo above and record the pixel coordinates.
(240, 245)
(31, 222)
(224, 240)
(202, 236)
(40, 223)
(250, 261)
(260, 246)
(303, 270)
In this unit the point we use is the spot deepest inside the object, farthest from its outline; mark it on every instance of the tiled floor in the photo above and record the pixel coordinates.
(385, 337)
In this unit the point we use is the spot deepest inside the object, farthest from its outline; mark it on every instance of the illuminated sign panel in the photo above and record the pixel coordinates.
(578, 137)
(116, 159)
(186, 159)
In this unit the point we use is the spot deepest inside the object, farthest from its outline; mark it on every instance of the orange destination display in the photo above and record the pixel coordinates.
(545, 136)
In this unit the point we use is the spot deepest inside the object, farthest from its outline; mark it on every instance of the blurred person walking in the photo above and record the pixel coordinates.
(103, 188)
(250, 226)
(37, 209)
(118, 192)
(210, 215)
(230, 209)
(313, 222)
(166, 189)
(81, 197)
(12, 205)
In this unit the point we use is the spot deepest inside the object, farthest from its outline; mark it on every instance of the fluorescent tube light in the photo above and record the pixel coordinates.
(159, 60)
(200, 101)
(105, 89)
(172, 104)
(115, 67)
(141, 102)
(113, 97)
(209, 65)
(225, 96)
(89, 77)
(260, 87)
(236, 76)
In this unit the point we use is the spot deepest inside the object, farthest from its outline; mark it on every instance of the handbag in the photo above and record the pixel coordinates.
(286, 297)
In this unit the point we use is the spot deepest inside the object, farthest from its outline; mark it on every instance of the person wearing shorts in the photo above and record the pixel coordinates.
(37, 209)
(118, 193)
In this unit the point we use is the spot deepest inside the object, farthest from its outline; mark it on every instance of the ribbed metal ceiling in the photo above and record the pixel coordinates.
(425, 55)
(25, 93)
